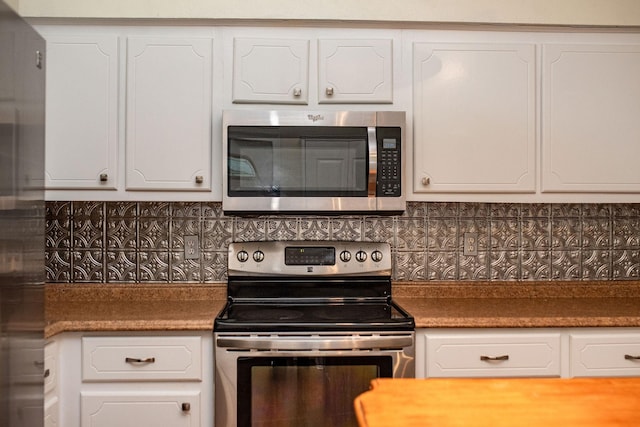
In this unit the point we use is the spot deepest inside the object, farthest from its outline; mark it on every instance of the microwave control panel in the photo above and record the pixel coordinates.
(389, 162)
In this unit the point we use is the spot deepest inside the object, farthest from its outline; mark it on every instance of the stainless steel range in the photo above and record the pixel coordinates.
(306, 327)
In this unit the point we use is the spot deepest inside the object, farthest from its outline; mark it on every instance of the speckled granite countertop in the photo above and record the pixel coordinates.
(131, 307)
(521, 304)
(140, 307)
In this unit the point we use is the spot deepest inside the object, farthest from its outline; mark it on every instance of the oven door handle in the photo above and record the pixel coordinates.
(316, 343)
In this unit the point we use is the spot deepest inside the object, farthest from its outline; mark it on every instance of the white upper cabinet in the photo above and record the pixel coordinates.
(355, 71)
(591, 118)
(169, 113)
(474, 117)
(82, 112)
(310, 70)
(270, 70)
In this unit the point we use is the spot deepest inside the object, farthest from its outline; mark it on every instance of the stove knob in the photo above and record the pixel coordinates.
(258, 256)
(242, 256)
(361, 256)
(345, 256)
(376, 256)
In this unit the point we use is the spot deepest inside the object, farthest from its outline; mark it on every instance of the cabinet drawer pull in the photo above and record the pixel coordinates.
(494, 358)
(186, 407)
(426, 180)
(630, 357)
(104, 177)
(297, 92)
(329, 91)
(47, 373)
(199, 179)
(147, 360)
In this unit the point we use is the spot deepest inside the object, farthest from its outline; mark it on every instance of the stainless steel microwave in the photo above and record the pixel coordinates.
(313, 161)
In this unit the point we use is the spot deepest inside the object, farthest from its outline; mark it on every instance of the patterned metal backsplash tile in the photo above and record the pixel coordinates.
(144, 241)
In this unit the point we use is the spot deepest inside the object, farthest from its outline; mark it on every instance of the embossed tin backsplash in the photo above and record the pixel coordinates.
(144, 242)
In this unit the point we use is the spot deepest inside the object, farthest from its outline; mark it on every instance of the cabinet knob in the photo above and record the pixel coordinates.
(426, 180)
(329, 91)
(297, 92)
(631, 357)
(186, 407)
(104, 177)
(199, 179)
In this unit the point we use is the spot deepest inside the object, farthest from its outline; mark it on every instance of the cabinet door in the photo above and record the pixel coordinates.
(140, 410)
(82, 112)
(355, 71)
(270, 70)
(169, 113)
(590, 126)
(474, 118)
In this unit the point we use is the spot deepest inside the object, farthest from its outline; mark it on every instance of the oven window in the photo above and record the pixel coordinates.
(297, 161)
(304, 391)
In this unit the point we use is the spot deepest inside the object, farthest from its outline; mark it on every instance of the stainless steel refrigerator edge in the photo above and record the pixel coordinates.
(22, 224)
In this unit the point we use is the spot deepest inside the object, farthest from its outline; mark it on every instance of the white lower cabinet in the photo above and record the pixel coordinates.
(136, 379)
(51, 392)
(528, 352)
(599, 353)
(492, 354)
(140, 409)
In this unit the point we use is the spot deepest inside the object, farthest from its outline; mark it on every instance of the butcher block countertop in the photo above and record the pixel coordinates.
(145, 307)
(549, 402)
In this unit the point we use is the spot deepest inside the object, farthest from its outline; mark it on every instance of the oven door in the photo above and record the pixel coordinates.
(293, 380)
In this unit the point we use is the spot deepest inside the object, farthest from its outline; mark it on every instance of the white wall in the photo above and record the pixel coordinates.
(544, 12)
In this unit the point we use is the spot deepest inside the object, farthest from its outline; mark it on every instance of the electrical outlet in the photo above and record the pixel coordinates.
(470, 247)
(191, 247)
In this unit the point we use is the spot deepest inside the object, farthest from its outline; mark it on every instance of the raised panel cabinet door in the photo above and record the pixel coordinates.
(168, 136)
(474, 118)
(355, 71)
(590, 111)
(270, 71)
(144, 409)
(81, 150)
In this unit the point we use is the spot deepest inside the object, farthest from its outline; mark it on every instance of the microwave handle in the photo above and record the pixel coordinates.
(373, 161)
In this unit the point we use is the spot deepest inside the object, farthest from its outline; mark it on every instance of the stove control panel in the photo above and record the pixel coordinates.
(309, 258)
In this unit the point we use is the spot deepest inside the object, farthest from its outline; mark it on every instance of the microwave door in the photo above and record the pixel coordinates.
(250, 167)
(336, 167)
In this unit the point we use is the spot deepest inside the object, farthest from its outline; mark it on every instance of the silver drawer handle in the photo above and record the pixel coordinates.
(630, 357)
(494, 358)
(199, 179)
(133, 360)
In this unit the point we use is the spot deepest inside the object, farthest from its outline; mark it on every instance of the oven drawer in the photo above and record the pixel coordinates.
(142, 358)
(493, 355)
